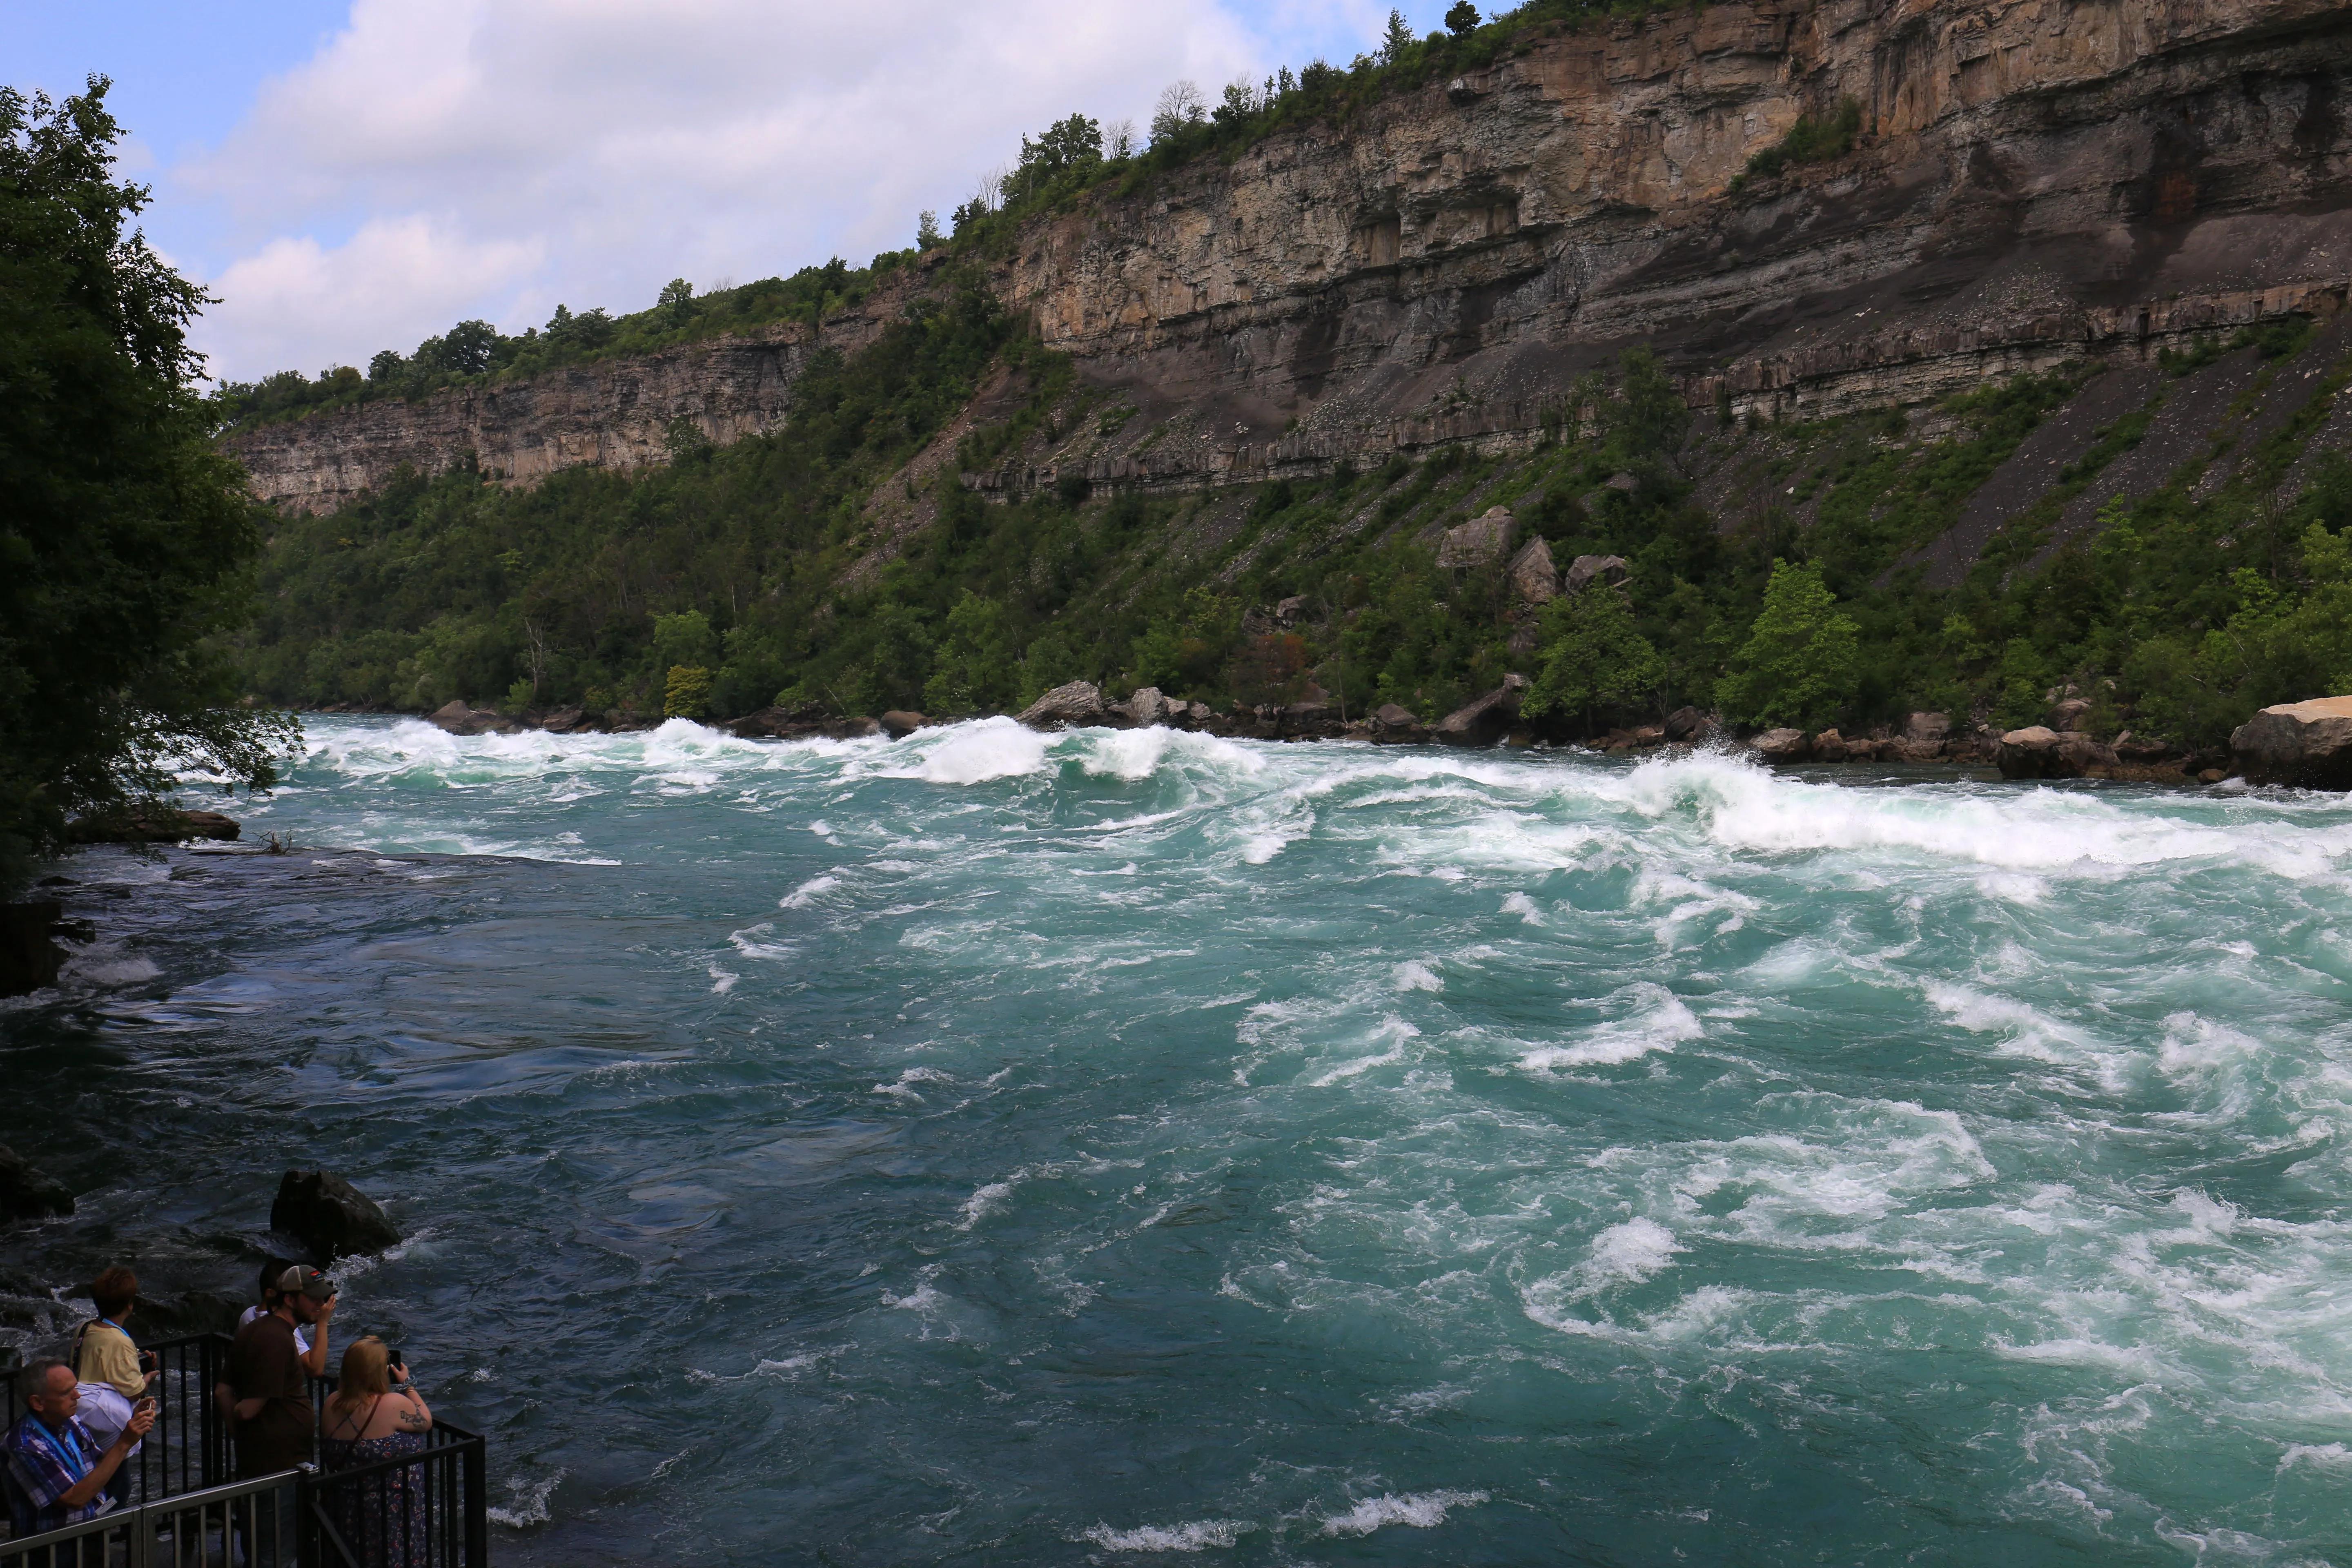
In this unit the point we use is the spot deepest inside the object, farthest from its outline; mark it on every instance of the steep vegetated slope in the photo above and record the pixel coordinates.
(2010, 329)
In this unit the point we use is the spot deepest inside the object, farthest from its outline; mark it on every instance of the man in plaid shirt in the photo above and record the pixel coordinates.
(55, 1469)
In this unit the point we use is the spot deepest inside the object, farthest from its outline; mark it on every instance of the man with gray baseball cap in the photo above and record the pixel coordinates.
(270, 1413)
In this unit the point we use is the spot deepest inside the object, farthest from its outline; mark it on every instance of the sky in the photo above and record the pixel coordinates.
(351, 175)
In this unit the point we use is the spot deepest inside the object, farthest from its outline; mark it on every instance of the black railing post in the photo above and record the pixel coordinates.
(476, 1503)
(306, 1530)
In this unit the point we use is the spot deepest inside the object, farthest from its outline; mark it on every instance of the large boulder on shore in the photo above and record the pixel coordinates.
(1487, 720)
(1148, 706)
(330, 1216)
(898, 723)
(2038, 752)
(459, 719)
(27, 1195)
(1078, 703)
(2306, 744)
(1783, 745)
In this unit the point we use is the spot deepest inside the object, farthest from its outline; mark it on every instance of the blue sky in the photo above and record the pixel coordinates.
(356, 175)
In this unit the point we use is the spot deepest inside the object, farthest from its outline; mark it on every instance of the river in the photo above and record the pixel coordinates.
(1114, 1147)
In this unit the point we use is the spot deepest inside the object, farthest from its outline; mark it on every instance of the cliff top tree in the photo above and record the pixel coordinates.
(126, 537)
(1396, 38)
(1463, 19)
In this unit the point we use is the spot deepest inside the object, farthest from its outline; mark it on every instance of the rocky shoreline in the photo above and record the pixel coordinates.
(2060, 749)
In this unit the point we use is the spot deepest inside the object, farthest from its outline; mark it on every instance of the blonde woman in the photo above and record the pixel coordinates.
(374, 1415)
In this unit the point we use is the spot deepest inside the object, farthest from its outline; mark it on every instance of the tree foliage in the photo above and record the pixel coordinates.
(1799, 663)
(125, 538)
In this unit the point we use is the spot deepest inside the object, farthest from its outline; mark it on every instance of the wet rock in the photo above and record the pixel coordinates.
(1534, 578)
(330, 1216)
(459, 719)
(1783, 746)
(1587, 570)
(1392, 716)
(898, 723)
(28, 1195)
(165, 826)
(2306, 744)
(1911, 749)
(1077, 702)
(1481, 542)
(2039, 751)
(1828, 746)
(1487, 720)
(29, 955)
(1147, 706)
(1688, 724)
(2211, 776)
(564, 721)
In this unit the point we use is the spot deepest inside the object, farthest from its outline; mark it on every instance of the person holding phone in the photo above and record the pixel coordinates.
(376, 1414)
(55, 1469)
(113, 1371)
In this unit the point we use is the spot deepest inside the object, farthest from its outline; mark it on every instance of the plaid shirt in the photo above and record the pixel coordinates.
(38, 1475)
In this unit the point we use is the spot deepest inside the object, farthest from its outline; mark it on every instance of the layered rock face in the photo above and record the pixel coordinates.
(616, 413)
(2033, 181)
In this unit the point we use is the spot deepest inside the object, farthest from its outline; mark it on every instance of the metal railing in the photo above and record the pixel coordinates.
(255, 1522)
(428, 1510)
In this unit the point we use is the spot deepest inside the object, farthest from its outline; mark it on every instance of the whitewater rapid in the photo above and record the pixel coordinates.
(1117, 1144)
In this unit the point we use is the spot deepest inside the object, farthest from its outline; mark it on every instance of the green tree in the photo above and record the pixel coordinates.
(1463, 19)
(1801, 663)
(973, 670)
(1395, 39)
(927, 231)
(125, 537)
(685, 639)
(1594, 660)
(686, 693)
(677, 302)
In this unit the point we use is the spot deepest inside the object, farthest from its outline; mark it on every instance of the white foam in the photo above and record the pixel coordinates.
(532, 1502)
(1666, 1023)
(978, 753)
(1420, 1510)
(1413, 976)
(1195, 1535)
(806, 894)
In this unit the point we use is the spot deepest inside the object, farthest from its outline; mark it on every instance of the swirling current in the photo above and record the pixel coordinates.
(1124, 1147)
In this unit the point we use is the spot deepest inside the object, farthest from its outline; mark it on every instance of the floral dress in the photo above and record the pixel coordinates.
(382, 1517)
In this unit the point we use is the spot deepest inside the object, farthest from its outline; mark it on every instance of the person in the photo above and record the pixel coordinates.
(269, 1412)
(376, 1414)
(55, 1469)
(309, 1338)
(113, 1371)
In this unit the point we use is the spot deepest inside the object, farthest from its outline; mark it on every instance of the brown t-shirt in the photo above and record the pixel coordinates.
(263, 1364)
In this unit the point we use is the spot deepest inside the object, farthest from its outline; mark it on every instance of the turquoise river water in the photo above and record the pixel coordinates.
(1139, 1147)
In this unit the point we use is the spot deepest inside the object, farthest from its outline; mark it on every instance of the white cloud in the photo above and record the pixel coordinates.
(496, 157)
(283, 306)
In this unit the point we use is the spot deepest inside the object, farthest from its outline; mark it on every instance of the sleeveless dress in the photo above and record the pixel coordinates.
(383, 1517)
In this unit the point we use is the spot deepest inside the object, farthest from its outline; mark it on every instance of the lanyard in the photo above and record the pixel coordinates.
(68, 1452)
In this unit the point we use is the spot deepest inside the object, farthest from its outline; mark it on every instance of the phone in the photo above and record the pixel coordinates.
(391, 1356)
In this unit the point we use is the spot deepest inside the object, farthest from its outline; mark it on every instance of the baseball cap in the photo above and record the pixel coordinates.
(305, 1281)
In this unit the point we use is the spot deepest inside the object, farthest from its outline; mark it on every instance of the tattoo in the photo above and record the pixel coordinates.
(414, 1420)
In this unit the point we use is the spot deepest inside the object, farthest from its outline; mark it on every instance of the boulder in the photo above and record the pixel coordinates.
(2039, 751)
(1481, 542)
(1395, 716)
(459, 719)
(1074, 703)
(29, 958)
(1587, 570)
(898, 723)
(1828, 746)
(1533, 576)
(1933, 727)
(27, 1195)
(1913, 749)
(1688, 724)
(1290, 611)
(163, 826)
(564, 721)
(1783, 746)
(1487, 720)
(2068, 714)
(1148, 707)
(330, 1216)
(2306, 744)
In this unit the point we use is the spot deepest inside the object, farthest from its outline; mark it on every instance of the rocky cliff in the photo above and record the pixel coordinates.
(2031, 182)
